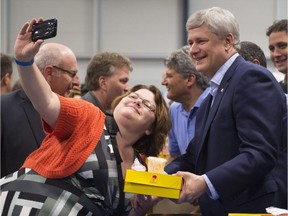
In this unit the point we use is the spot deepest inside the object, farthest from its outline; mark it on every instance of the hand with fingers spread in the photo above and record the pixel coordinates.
(34, 84)
(25, 49)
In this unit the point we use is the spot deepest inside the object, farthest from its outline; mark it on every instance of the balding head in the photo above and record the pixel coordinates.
(54, 60)
(52, 54)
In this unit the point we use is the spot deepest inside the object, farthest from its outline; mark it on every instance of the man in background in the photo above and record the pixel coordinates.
(21, 126)
(252, 52)
(6, 73)
(186, 88)
(107, 78)
(278, 40)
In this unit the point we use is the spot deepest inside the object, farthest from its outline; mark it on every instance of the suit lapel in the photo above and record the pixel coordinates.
(216, 103)
(90, 97)
(33, 118)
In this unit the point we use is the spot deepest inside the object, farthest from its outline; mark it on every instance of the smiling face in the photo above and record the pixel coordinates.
(208, 51)
(132, 114)
(176, 85)
(278, 50)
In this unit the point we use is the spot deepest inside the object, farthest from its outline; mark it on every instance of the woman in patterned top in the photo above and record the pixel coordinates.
(79, 168)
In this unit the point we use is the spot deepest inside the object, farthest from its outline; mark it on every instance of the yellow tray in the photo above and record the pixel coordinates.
(155, 184)
(246, 214)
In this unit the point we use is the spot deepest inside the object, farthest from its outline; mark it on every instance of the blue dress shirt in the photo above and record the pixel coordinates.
(183, 125)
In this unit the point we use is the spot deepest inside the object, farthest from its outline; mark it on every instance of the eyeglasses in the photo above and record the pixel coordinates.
(147, 104)
(72, 74)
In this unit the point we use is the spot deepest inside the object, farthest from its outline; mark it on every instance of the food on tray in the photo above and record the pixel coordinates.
(156, 165)
(137, 166)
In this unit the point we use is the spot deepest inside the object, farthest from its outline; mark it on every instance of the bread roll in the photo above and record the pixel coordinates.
(156, 165)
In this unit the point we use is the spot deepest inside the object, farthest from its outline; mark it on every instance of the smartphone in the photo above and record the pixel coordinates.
(44, 30)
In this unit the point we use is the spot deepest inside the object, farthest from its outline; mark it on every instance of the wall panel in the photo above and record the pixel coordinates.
(146, 31)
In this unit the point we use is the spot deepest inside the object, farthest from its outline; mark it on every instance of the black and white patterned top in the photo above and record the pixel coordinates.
(92, 190)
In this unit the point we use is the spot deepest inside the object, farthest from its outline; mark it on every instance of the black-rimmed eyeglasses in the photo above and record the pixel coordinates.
(72, 74)
(147, 104)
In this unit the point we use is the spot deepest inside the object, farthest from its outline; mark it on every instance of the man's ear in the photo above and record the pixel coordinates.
(5, 79)
(256, 61)
(102, 82)
(191, 79)
(48, 73)
(229, 41)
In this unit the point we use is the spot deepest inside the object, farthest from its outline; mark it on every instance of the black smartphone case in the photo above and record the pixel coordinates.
(44, 30)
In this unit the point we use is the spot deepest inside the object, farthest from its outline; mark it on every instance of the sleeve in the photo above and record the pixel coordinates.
(258, 111)
(182, 163)
(74, 114)
(173, 146)
(65, 148)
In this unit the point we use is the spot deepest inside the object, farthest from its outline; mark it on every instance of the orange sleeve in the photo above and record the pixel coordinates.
(66, 148)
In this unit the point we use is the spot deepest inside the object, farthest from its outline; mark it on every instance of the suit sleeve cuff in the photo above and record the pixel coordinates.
(212, 193)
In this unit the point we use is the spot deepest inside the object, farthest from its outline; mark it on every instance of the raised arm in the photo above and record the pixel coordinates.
(34, 84)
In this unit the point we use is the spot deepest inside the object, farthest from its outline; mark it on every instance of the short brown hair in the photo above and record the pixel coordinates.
(6, 65)
(278, 26)
(104, 64)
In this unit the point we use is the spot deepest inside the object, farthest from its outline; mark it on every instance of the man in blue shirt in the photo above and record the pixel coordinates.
(186, 88)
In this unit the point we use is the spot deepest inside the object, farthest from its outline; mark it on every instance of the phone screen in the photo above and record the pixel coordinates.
(44, 30)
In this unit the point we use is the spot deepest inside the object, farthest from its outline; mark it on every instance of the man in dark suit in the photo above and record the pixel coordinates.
(21, 127)
(237, 161)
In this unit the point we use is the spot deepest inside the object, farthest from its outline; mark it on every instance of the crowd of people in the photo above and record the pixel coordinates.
(226, 124)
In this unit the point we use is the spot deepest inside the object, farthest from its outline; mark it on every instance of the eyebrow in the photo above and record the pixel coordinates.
(143, 98)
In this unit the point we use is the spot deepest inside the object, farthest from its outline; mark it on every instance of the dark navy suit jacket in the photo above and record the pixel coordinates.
(241, 145)
(90, 97)
(21, 130)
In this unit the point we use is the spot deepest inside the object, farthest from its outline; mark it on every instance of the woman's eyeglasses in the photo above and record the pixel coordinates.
(147, 104)
(72, 74)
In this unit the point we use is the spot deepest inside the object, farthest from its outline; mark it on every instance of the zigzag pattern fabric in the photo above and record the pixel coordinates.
(87, 192)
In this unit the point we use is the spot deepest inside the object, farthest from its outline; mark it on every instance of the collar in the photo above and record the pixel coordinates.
(217, 78)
